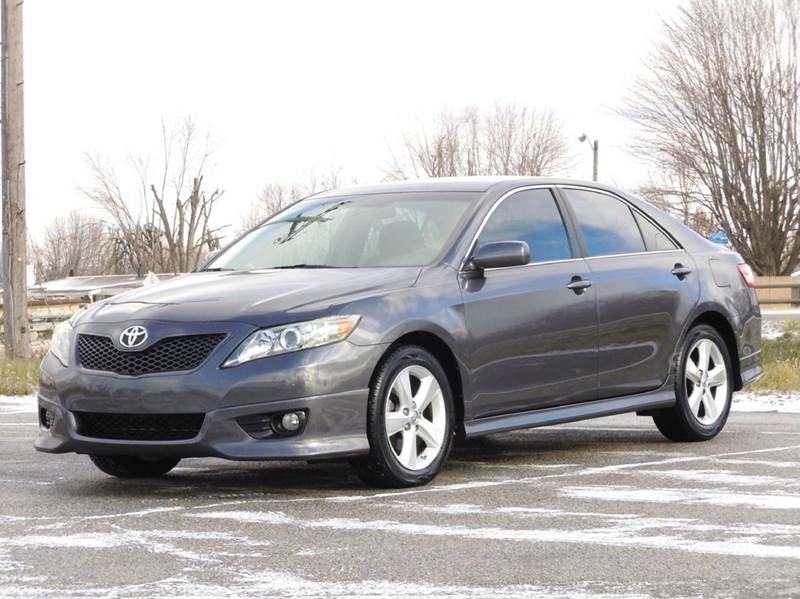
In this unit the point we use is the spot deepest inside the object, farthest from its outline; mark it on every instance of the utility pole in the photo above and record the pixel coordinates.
(15, 255)
(595, 145)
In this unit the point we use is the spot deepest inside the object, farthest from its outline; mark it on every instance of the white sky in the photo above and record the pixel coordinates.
(290, 87)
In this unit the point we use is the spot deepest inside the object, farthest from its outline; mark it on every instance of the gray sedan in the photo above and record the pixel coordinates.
(381, 323)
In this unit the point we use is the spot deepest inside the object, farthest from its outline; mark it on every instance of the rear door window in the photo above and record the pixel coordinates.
(531, 216)
(607, 224)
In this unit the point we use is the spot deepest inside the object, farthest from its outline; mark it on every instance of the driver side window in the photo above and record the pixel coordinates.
(531, 216)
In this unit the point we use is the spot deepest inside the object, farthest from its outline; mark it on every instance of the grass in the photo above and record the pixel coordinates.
(781, 362)
(781, 367)
(19, 377)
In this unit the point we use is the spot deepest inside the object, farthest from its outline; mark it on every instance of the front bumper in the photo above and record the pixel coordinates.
(336, 427)
(329, 383)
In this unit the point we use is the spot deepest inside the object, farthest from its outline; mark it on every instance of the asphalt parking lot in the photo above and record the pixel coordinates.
(605, 508)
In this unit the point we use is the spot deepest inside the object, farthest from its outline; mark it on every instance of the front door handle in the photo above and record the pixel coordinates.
(681, 271)
(579, 285)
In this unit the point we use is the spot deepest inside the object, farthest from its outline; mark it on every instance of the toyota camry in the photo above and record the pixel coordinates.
(378, 324)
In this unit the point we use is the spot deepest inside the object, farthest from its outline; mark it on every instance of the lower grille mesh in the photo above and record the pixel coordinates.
(139, 427)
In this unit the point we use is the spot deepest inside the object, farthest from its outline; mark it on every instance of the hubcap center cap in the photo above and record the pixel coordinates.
(414, 417)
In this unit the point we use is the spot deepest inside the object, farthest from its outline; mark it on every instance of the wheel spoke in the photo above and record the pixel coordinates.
(395, 421)
(429, 433)
(692, 371)
(710, 406)
(402, 387)
(694, 400)
(703, 355)
(408, 452)
(426, 392)
(717, 376)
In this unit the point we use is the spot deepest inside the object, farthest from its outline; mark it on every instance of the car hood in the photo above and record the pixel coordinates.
(261, 298)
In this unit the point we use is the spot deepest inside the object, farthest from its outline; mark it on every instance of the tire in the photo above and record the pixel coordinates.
(693, 419)
(405, 458)
(133, 467)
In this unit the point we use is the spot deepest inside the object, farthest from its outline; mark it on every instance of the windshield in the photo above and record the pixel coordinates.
(381, 230)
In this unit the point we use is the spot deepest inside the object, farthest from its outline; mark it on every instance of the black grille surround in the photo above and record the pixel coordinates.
(139, 427)
(171, 354)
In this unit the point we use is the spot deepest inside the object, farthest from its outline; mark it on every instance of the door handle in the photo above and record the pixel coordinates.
(681, 271)
(579, 285)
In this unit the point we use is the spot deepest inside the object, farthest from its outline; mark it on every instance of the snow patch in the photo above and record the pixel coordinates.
(618, 535)
(18, 404)
(724, 477)
(766, 402)
(675, 495)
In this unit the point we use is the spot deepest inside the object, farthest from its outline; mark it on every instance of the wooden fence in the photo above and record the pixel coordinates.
(778, 293)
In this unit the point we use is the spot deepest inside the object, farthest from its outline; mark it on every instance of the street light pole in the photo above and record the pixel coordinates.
(595, 145)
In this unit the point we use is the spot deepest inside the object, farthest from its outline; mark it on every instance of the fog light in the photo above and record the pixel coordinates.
(292, 421)
(46, 418)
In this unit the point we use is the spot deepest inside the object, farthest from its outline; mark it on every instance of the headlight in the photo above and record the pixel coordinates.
(61, 341)
(292, 337)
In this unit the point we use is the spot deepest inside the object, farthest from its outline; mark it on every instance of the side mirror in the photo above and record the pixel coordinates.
(500, 254)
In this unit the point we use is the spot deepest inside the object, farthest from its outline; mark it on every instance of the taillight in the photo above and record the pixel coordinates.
(748, 275)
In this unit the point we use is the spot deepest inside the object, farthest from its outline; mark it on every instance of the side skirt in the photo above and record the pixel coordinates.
(661, 398)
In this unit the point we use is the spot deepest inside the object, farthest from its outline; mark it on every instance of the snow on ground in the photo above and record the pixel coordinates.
(764, 401)
(17, 404)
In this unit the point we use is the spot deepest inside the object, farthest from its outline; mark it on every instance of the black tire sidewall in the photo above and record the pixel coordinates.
(402, 358)
(694, 335)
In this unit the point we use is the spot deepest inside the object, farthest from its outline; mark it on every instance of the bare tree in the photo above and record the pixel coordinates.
(166, 224)
(75, 244)
(274, 197)
(720, 100)
(674, 193)
(507, 140)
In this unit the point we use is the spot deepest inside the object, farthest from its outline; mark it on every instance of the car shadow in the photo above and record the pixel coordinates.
(219, 480)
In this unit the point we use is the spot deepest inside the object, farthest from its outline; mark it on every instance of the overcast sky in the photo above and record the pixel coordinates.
(290, 87)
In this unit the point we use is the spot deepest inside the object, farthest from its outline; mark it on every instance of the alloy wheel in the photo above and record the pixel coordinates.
(706, 380)
(415, 417)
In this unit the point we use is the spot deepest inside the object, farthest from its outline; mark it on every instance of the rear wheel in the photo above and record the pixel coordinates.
(703, 389)
(133, 466)
(409, 421)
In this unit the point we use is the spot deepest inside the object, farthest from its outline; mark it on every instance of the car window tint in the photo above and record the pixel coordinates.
(654, 238)
(531, 216)
(607, 224)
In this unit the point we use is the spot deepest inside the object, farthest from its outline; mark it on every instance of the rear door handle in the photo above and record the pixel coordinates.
(681, 271)
(579, 285)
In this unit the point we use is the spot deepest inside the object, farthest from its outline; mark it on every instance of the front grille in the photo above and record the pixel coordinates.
(139, 427)
(171, 354)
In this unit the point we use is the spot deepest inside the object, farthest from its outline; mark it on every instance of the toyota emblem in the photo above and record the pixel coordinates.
(133, 337)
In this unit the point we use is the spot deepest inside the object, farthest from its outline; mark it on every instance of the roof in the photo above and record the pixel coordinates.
(480, 184)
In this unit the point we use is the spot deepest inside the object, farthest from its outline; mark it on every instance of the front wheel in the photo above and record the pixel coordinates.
(132, 466)
(703, 389)
(409, 421)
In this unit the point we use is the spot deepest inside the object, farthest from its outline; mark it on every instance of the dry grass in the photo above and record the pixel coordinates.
(781, 363)
(19, 377)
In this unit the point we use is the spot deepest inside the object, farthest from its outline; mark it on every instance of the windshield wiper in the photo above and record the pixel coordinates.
(301, 266)
(216, 269)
